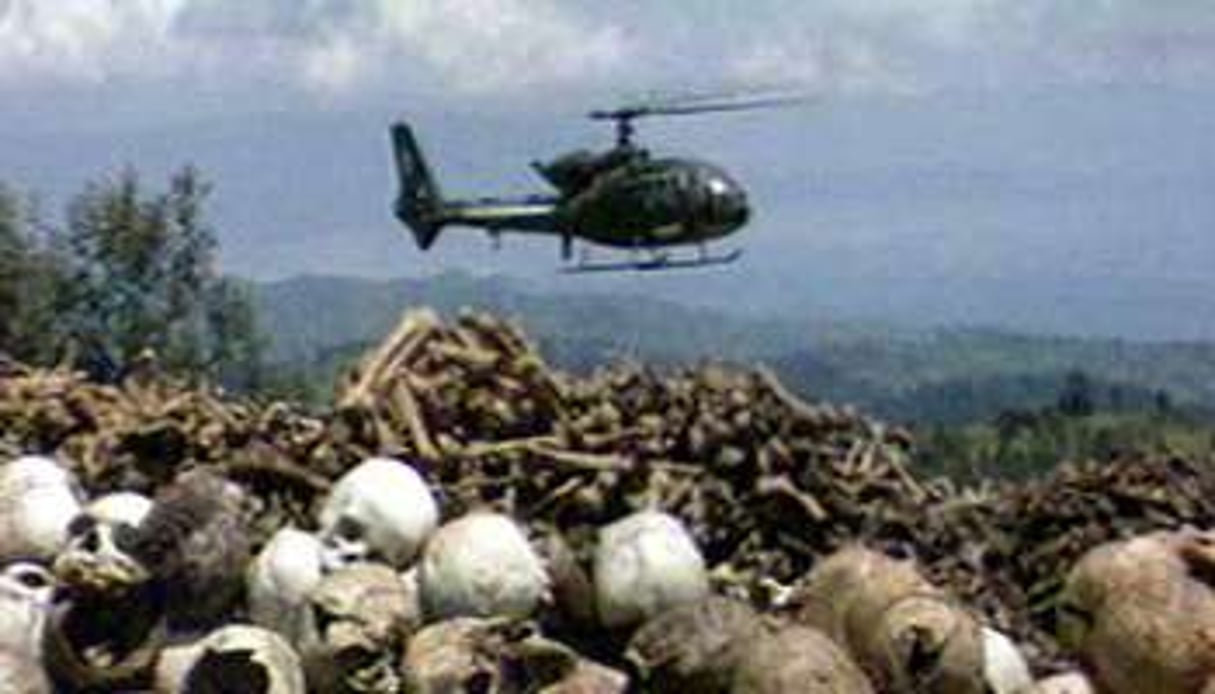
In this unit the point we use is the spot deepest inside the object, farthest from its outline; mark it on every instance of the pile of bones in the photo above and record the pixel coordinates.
(155, 538)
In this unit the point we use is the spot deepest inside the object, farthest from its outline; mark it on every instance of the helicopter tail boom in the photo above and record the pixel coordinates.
(419, 205)
(422, 208)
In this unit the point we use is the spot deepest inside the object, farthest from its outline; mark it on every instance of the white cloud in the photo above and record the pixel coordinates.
(482, 44)
(820, 65)
(911, 44)
(333, 66)
(1158, 41)
(494, 46)
(330, 45)
(466, 45)
(86, 40)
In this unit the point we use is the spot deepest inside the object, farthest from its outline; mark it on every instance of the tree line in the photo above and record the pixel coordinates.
(1080, 424)
(126, 273)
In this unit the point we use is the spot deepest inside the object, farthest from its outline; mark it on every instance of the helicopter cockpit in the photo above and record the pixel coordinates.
(725, 205)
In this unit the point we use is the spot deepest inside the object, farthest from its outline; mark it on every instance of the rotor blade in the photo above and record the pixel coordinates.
(774, 101)
(703, 106)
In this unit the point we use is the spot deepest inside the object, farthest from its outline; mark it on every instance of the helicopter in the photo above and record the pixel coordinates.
(622, 197)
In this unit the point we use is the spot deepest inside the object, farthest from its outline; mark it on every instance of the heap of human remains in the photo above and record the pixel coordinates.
(464, 518)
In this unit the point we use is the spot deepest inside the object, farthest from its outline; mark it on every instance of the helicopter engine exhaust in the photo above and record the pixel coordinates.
(419, 204)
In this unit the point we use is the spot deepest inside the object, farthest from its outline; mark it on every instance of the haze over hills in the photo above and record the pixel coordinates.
(944, 374)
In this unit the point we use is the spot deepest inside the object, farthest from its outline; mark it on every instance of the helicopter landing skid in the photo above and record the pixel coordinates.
(662, 261)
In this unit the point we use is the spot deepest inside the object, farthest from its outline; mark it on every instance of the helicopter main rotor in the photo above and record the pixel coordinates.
(625, 115)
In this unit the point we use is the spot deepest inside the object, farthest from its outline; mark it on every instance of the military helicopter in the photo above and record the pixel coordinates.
(622, 197)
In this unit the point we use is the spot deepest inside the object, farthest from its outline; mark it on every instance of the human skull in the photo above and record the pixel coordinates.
(481, 565)
(1004, 668)
(21, 673)
(106, 635)
(196, 543)
(260, 660)
(696, 646)
(646, 563)
(120, 507)
(1066, 683)
(1139, 614)
(359, 619)
(38, 499)
(94, 558)
(797, 659)
(280, 579)
(498, 655)
(26, 590)
(379, 510)
(102, 643)
(907, 634)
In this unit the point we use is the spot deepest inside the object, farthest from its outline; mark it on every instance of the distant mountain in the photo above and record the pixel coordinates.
(311, 314)
(946, 375)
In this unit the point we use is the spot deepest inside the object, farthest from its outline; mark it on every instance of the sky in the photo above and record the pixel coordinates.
(1033, 164)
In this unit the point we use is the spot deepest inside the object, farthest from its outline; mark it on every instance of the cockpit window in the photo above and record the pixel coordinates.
(718, 186)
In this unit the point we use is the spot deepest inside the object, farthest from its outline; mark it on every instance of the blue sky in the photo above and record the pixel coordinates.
(1032, 163)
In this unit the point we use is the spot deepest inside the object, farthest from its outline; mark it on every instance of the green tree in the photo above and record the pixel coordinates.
(1163, 403)
(1076, 398)
(234, 347)
(13, 249)
(29, 278)
(141, 274)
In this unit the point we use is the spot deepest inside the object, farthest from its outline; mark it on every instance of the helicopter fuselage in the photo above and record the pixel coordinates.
(647, 203)
(621, 197)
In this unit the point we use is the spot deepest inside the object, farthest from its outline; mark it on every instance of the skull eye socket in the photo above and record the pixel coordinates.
(356, 659)
(91, 542)
(125, 536)
(479, 683)
(922, 653)
(33, 578)
(322, 618)
(80, 525)
(348, 529)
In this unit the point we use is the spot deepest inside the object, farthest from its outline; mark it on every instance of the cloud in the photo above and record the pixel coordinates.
(343, 47)
(329, 45)
(924, 44)
(481, 44)
(822, 62)
(1140, 40)
(80, 39)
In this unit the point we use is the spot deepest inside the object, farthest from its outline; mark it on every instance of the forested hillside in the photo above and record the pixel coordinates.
(949, 375)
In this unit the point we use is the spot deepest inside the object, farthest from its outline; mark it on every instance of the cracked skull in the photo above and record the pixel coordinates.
(261, 661)
(471, 654)
(361, 617)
